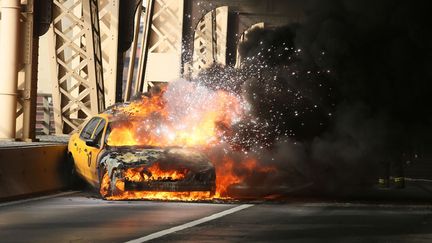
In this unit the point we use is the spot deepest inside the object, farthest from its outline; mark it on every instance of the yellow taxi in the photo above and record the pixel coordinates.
(85, 147)
(114, 170)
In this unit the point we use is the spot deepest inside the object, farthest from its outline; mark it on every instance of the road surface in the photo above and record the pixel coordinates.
(81, 217)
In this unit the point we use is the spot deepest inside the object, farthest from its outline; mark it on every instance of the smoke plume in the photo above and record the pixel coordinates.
(332, 97)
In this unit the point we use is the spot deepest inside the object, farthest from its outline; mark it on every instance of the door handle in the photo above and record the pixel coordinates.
(89, 158)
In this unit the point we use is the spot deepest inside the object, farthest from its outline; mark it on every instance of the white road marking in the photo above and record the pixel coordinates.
(190, 224)
(37, 198)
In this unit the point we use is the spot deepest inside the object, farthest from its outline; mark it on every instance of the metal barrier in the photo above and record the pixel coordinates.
(32, 169)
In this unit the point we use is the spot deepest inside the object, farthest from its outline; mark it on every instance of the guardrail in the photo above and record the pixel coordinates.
(32, 169)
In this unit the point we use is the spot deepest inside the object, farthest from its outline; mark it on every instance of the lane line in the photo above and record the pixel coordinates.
(37, 198)
(190, 224)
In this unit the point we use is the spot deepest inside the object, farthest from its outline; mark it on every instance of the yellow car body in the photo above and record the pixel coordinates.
(93, 159)
(85, 156)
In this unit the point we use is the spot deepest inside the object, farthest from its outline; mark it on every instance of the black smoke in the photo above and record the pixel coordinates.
(335, 95)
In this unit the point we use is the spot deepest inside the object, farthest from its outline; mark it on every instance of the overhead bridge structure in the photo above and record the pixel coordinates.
(88, 40)
(92, 54)
(64, 61)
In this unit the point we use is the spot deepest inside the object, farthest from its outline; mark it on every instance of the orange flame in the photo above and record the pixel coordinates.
(149, 195)
(153, 172)
(225, 178)
(149, 122)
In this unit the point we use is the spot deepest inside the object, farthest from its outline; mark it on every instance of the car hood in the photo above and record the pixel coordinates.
(168, 158)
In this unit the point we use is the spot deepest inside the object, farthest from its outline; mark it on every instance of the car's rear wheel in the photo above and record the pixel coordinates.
(74, 181)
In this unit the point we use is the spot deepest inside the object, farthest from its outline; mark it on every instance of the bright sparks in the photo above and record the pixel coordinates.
(186, 115)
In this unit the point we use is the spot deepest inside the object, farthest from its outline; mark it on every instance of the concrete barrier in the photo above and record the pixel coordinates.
(30, 170)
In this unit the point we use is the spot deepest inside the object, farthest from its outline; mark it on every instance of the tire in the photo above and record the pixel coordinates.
(113, 188)
(104, 185)
(107, 184)
(73, 180)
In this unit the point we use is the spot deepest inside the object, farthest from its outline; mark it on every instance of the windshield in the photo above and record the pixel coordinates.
(135, 132)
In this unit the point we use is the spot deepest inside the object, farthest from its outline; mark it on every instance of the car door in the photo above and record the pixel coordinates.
(84, 154)
(94, 151)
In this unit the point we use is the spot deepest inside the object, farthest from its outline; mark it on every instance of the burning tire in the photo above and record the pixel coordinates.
(114, 180)
(108, 184)
(104, 183)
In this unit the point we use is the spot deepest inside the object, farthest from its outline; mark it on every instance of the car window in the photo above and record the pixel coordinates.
(97, 136)
(89, 128)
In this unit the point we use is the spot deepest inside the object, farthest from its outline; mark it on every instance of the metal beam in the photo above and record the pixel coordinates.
(163, 54)
(109, 11)
(27, 83)
(133, 52)
(144, 45)
(76, 62)
(210, 40)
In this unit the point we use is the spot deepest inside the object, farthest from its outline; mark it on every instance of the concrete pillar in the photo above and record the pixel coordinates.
(9, 41)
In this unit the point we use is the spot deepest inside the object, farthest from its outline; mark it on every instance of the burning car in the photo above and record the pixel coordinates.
(118, 170)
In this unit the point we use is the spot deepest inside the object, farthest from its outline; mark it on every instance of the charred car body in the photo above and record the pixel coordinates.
(119, 169)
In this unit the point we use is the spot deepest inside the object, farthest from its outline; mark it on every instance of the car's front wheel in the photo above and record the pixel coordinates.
(104, 183)
(108, 184)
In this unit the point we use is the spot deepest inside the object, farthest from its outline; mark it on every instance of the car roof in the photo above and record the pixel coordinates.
(104, 116)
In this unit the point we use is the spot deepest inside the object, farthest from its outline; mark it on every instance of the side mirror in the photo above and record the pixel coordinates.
(91, 143)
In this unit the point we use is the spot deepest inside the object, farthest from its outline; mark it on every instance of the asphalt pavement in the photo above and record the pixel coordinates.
(82, 217)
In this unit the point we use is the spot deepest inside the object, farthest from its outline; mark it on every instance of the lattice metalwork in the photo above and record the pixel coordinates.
(166, 27)
(164, 42)
(97, 50)
(109, 23)
(210, 39)
(78, 89)
(204, 41)
(221, 28)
